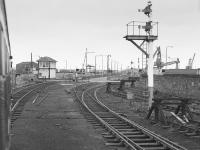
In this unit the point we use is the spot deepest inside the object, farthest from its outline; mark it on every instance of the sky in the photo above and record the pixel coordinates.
(63, 29)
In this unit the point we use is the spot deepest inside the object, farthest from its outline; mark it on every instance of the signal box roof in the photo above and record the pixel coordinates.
(46, 59)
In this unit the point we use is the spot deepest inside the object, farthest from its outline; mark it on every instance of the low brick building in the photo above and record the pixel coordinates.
(26, 67)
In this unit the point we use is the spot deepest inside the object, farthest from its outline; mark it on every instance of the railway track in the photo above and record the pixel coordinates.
(18, 89)
(119, 131)
(20, 98)
(190, 129)
(17, 95)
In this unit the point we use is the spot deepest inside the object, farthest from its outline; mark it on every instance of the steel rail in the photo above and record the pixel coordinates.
(16, 104)
(31, 90)
(148, 132)
(129, 143)
(105, 124)
(124, 139)
(119, 135)
(24, 87)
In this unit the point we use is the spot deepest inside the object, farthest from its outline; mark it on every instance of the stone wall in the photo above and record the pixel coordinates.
(179, 85)
(186, 86)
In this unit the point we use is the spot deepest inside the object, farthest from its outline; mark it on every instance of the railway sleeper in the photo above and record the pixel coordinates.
(109, 136)
(106, 116)
(141, 136)
(97, 125)
(192, 133)
(156, 148)
(122, 127)
(114, 120)
(132, 133)
(195, 136)
(93, 121)
(127, 130)
(16, 113)
(13, 119)
(103, 112)
(139, 140)
(107, 119)
(136, 135)
(15, 116)
(117, 124)
(151, 144)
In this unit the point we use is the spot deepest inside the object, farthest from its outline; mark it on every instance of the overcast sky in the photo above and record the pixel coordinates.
(63, 29)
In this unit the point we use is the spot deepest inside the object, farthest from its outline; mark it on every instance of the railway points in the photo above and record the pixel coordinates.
(55, 124)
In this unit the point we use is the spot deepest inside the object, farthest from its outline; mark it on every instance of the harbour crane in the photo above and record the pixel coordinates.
(159, 64)
(190, 62)
(177, 61)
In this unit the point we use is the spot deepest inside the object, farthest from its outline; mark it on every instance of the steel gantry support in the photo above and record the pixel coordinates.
(146, 36)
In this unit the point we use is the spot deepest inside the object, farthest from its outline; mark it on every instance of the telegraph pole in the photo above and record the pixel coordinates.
(86, 61)
(95, 65)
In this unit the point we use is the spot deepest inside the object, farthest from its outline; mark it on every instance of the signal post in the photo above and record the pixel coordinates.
(138, 37)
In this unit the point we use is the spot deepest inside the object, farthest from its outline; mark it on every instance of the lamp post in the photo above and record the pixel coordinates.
(166, 53)
(108, 63)
(116, 65)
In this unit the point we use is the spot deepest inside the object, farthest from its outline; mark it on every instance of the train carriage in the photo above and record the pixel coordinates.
(5, 79)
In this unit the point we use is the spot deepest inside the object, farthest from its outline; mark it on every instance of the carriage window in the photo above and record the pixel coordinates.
(1, 51)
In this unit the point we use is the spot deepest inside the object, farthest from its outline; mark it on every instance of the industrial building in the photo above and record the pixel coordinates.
(26, 68)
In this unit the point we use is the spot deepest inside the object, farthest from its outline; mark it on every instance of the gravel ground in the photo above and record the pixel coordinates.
(135, 114)
(55, 124)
